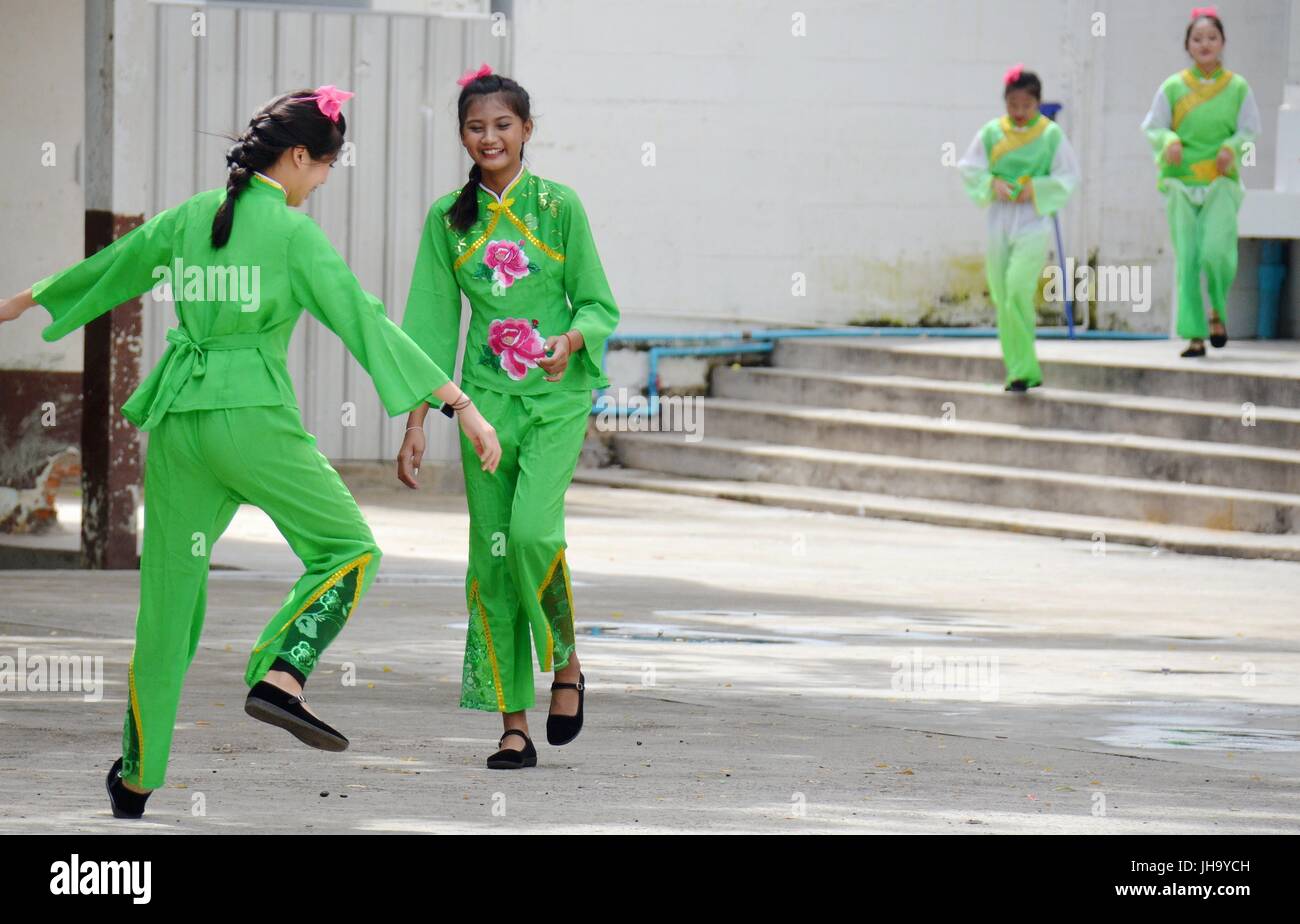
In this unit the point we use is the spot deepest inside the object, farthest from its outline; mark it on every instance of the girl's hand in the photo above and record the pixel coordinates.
(558, 361)
(1225, 160)
(482, 435)
(11, 309)
(1002, 190)
(409, 456)
(1027, 192)
(1174, 153)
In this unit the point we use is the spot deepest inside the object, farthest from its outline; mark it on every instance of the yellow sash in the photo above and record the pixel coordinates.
(1013, 137)
(1197, 93)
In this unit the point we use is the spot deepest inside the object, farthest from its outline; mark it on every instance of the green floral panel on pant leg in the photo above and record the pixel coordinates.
(479, 687)
(323, 618)
(556, 599)
(130, 747)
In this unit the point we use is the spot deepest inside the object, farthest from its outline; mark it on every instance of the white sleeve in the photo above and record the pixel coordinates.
(1065, 166)
(1248, 117)
(1159, 116)
(975, 158)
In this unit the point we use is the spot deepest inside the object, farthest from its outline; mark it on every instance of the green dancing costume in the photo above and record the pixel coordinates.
(1036, 154)
(1207, 115)
(530, 270)
(225, 430)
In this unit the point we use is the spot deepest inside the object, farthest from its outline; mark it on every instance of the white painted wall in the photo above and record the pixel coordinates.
(821, 154)
(775, 154)
(42, 218)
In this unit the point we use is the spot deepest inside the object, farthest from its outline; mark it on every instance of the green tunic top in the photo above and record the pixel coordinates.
(1204, 115)
(237, 307)
(1022, 155)
(530, 270)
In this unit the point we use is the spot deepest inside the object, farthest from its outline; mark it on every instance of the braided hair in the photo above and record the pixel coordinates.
(285, 122)
(465, 210)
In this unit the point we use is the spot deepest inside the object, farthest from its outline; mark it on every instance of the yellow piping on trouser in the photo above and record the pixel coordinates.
(135, 714)
(359, 564)
(492, 652)
(568, 593)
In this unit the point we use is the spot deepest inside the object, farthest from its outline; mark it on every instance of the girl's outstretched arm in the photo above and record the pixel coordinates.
(324, 284)
(12, 308)
(126, 268)
(404, 376)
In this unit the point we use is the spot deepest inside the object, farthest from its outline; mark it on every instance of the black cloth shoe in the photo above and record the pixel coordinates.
(268, 703)
(1017, 385)
(561, 729)
(507, 759)
(124, 802)
(1192, 352)
(1219, 340)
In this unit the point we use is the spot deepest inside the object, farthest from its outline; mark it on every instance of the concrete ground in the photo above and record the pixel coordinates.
(750, 668)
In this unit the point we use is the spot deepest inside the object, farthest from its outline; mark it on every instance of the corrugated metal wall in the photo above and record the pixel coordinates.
(403, 122)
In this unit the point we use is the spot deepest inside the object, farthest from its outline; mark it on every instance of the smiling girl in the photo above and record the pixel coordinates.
(1200, 122)
(225, 428)
(519, 247)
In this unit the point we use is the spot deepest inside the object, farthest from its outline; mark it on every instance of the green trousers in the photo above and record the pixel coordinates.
(200, 466)
(1013, 268)
(1205, 240)
(518, 580)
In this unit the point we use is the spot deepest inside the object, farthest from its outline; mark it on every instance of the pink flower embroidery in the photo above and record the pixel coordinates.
(518, 343)
(507, 260)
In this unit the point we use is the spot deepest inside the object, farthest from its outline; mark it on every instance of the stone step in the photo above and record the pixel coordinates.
(995, 485)
(991, 443)
(1080, 366)
(1174, 418)
(1100, 532)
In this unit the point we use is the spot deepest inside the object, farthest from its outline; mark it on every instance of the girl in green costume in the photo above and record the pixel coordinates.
(1022, 166)
(1200, 122)
(520, 249)
(225, 428)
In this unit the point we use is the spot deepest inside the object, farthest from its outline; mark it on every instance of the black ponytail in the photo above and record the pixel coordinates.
(283, 123)
(464, 212)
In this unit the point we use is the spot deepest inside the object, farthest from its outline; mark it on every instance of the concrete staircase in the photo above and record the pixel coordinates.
(1126, 442)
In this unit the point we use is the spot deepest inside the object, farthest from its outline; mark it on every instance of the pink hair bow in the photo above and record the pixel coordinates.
(1012, 75)
(329, 99)
(1199, 11)
(471, 75)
